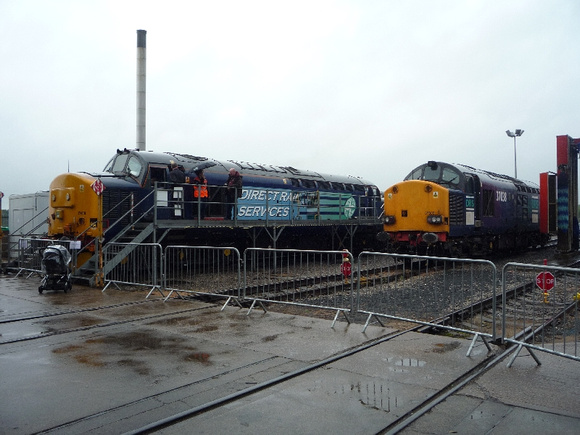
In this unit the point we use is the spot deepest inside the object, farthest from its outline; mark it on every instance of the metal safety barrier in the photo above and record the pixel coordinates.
(315, 279)
(540, 309)
(537, 309)
(136, 264)
(203, 270)
(449, 293)
(29, 258)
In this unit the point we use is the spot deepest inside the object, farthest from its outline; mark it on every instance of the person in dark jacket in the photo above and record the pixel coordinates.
(233, 192)
(176, 175)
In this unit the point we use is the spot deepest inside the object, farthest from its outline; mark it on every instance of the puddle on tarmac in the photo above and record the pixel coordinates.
(68, 322)
(399, 364)
(81, 355)
(173, 321)
(198, 356)
(134, 350)
(138, 366)
(200, 322)
(81, 296)
(141, 310)
(445, 347)
(407, 362)
(375, 395)
(186, 322)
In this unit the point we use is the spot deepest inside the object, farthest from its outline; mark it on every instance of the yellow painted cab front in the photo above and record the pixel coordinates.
(73, 206)
(415, 207)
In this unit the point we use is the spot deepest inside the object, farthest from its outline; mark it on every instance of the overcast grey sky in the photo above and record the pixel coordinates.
(364, 88)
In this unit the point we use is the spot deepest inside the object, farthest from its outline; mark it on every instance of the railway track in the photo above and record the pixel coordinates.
(492, 359)
(483, 367)
(87, 327)
(262, 388)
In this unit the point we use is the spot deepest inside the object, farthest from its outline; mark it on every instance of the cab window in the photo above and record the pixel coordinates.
(431, 174)
(417, 174)
(117, 165)
(450, 177)
(134, 167)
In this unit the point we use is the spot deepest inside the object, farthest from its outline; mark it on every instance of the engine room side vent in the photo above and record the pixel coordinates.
(456, 209)
(116, 204)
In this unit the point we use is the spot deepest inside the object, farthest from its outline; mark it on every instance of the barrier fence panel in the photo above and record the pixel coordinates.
(540, 309)
(30, 254)
(321, 279)
(203, 270)
(136, 264)
(426, 290)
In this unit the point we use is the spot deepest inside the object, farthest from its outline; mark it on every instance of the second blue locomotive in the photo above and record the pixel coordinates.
(443, 208)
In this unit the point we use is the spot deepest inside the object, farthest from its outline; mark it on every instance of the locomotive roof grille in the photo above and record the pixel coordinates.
(258, 167)
(525, 185)
(188, 157)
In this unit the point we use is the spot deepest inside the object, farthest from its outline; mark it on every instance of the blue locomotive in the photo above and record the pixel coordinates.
(444, 208)
(135, 187)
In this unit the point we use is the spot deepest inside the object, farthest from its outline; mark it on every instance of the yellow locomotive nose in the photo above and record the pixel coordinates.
(73, 205)
(61, 198)
(416, 206)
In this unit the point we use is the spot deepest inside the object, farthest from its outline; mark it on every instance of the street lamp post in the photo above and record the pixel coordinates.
(515, 135)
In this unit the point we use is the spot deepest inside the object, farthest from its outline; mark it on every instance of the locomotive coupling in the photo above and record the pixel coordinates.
(430, 238)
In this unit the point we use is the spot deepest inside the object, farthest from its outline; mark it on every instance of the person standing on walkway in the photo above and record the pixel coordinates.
(177, 176)
(233, 192)
(200, 193)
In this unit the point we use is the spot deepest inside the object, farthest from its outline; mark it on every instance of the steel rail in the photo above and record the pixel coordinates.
(454, 386)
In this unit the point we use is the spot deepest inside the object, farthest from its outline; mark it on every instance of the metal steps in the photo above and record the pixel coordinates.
(132, 235)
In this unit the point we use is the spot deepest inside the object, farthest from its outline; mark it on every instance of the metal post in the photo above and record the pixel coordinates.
(518, 132)
(515, 159)
(141, 86)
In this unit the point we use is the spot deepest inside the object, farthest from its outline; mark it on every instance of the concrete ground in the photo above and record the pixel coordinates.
(126, 366)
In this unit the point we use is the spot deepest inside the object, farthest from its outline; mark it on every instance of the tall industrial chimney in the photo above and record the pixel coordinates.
(141, 86)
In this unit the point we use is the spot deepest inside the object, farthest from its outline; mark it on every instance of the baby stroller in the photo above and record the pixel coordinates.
(55, 266)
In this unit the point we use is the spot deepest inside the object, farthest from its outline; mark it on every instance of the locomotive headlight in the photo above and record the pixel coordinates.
(58, 213)
(389, 220)
(435, 219)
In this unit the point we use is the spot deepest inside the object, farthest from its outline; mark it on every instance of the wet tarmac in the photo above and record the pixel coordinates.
(68, 367)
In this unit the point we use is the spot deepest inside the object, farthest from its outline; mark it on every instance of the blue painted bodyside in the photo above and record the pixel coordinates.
(269, 192)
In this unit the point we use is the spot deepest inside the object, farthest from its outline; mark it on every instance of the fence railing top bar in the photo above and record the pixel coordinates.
(300, 251)
(133, 243)
(426, 257)
(172, 248)
(232, 248)
(541, 267)
(40, 239)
